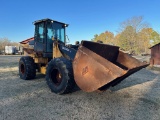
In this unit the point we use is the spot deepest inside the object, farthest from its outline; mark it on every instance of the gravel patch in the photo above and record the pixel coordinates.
(135, 98)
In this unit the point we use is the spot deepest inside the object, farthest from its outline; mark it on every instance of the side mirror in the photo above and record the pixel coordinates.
(77, 43)
(67, 39)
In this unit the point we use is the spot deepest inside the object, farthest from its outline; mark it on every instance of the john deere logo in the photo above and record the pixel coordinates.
(64, 48)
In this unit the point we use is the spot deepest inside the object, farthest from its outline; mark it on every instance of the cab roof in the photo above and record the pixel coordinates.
(47, 19)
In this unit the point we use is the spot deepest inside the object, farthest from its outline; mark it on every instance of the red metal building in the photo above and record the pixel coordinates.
(155, 55)
(27, 40)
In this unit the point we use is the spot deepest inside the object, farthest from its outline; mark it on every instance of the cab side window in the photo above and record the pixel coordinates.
(40, 32)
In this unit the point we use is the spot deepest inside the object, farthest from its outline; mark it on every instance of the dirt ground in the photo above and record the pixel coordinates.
(135, 98)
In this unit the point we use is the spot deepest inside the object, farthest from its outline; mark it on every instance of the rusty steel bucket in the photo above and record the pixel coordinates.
(98, 66)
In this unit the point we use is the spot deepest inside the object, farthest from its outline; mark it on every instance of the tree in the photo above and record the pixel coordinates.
(6, 42)
(136, 22)
(95, 37)
(109, 37)
(128, 39)
(155, 37)
(106, 37)
(144, 37)
(134, 36)
(129, 34)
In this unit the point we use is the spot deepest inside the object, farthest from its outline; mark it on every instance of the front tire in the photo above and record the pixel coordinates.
(27, 69)
(59, 76)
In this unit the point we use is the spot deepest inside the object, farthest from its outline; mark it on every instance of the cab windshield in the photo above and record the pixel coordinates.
(56, 30)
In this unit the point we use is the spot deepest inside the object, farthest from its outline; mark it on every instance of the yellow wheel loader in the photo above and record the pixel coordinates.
(90, 65)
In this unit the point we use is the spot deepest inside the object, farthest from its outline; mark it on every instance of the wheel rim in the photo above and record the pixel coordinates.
(56, 77)
(22, 68)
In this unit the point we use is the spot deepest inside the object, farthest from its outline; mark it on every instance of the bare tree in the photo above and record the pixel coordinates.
(129, 38)
(6, 42)
(136, 22)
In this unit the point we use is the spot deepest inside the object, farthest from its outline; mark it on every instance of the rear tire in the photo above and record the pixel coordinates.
(59, 76)
(27, 69)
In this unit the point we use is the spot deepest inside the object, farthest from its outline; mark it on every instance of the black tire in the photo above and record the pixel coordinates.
(27, 69)
(59, 76)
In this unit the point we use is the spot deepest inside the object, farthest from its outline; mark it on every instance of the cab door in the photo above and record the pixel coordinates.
(39, 37)
(49, 42)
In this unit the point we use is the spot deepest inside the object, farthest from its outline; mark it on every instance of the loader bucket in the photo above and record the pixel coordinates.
(99, 66)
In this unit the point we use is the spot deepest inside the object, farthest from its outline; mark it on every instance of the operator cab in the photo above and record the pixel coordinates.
(47, 30)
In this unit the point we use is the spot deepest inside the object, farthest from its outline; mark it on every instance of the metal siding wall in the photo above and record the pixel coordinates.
(155, 54)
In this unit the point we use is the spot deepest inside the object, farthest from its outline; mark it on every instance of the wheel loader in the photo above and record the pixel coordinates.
(90, 65)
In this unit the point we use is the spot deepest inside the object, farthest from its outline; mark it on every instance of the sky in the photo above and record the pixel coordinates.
(85, 17)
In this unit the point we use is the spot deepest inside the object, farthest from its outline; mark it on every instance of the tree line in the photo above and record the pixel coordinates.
(134, 36)
(6, 42)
